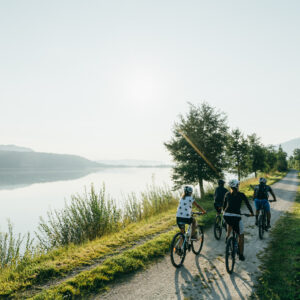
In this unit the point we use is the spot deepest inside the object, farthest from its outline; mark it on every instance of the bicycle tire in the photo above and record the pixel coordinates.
(218, 228)
(261, 227)
(197, 245)
(175, 254)
(230, 255)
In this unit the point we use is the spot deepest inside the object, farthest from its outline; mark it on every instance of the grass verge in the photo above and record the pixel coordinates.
(60, 262)
(97, 279)
(280, 278)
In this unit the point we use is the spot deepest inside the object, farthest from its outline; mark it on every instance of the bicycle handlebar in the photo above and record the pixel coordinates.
(197, 213)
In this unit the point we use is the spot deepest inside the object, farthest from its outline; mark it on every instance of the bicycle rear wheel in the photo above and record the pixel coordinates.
(230, 255)
(178, 251)
(261, 225)
(197, 245)
(218, 228)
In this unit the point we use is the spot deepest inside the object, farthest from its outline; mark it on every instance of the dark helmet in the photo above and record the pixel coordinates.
(221, 182)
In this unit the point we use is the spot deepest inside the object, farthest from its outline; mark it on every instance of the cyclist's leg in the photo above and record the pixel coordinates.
(257, 207)
(229, 226)
(194, 226)
(181, 226)
(217, 208)
(268, 211)
(241, 237)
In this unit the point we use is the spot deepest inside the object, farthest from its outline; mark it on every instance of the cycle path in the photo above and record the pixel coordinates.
(204, 276)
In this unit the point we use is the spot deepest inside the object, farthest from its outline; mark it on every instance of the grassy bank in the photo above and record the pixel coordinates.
(280, 277)
(58, 263)
(98, 278)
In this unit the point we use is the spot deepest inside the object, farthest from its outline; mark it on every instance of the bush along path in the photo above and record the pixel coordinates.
(96, 277)
(280, 278)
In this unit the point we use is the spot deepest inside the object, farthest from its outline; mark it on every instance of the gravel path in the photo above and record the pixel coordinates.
(205, 276)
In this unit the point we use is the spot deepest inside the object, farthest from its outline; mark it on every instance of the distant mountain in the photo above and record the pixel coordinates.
(133, 163)
(44, 161)
(14, 148)
(290, 146)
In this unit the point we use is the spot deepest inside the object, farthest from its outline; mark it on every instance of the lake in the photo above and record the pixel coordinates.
(27, 195)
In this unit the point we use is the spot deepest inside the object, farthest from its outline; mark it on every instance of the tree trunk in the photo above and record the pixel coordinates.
(239, 174)
(255, 173)
(201, 187)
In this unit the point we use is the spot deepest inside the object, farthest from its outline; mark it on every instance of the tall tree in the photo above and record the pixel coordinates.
(281, 164)
(270, 158)
(295, 159)
(238, 154)
(207, 129)
(257, 154)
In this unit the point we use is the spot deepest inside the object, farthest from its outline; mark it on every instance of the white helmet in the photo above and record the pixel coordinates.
(262, 180)
(234, 183)
(188, 190)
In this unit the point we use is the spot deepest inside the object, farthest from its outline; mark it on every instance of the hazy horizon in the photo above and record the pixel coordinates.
(107, 80)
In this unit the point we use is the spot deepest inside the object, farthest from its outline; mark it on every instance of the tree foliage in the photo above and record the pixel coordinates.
(207, 129)
(238, 154)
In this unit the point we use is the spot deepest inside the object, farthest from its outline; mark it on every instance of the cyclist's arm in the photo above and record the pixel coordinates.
(248, 205)
(198, 206)
(225, 202)
(272, 193)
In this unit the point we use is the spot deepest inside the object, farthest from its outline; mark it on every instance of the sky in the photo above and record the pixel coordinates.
(108, 79)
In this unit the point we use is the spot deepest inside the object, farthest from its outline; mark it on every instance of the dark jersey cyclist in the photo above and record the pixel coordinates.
(232, 213)
(219, 196)
(260, 196)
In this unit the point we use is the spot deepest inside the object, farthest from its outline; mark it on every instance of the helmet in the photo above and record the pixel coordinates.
(234, 183)
(188, 190)
(262, 180)
(221, 182)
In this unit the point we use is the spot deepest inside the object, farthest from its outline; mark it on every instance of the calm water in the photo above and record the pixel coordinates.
(25, 196)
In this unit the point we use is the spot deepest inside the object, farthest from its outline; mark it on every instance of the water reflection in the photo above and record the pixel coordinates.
(13, 179)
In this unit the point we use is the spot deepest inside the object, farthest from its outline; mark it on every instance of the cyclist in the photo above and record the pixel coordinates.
(260, 196)
(219, 196)
(184, 210)
(232, 210)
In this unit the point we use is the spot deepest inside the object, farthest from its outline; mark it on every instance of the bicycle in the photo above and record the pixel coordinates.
(218, 226)
(183, 242)
(262, 222)
(232, 249)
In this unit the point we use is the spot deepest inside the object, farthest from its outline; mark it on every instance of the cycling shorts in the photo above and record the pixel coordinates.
(218, 207)
(262, 204)
(235, 222)
(182, 221)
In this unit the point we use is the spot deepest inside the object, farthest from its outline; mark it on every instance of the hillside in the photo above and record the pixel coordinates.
(290, 145)
(14, 148)
(45, 161)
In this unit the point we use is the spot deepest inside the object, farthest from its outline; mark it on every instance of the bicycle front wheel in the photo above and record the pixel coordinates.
(230, 255)
(178, 250)
(218, 228)
(198, 243)
(261, 225)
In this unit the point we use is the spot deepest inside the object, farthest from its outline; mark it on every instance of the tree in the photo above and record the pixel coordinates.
(257, 154)
(295, 159)
(238, 154)
(271, 158)
(207, 129)
(281, 163)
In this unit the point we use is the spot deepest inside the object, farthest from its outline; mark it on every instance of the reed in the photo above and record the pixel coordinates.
(13, 251)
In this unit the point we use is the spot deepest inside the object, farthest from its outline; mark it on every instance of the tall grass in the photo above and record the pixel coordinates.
(13, 251)
(87, 217)
(92, 215)
(151, 202)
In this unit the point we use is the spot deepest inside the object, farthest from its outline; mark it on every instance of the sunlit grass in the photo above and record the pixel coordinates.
(280, 278)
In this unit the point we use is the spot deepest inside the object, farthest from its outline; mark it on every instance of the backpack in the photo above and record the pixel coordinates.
(261, 192)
